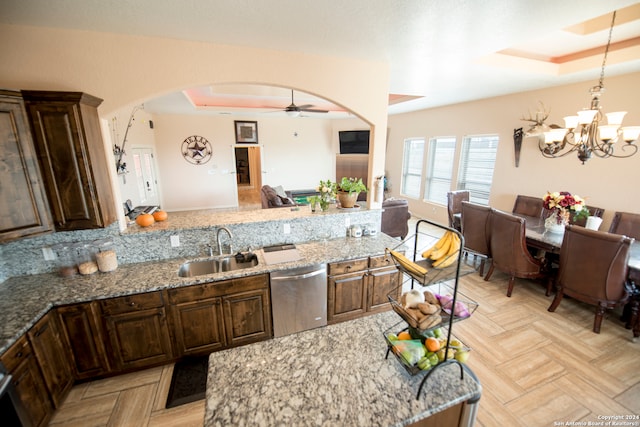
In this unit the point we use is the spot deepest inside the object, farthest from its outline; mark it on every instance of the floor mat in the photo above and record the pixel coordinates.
(189, 381)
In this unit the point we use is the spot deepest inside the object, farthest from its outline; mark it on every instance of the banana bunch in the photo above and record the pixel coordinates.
(445, 251)
(407, 264)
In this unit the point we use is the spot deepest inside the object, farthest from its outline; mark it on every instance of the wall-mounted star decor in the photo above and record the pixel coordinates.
(196, 150)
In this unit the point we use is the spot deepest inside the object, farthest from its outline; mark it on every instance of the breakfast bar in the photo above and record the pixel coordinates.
(336, 375)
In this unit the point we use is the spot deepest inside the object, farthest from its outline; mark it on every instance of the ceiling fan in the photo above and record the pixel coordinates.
(294, 110)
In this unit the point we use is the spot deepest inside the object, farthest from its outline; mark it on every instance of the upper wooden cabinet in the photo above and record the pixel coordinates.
(72, 158)
(23, 206)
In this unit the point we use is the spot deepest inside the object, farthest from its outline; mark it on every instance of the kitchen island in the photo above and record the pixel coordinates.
(334, 376)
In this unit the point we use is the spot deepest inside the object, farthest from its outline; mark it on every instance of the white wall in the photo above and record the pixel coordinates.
(611, 183)
(295, 162)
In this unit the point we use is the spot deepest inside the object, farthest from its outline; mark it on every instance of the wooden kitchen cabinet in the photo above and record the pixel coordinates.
(80, 328)
(28, 382)
(137, 331)
(52, 356)
(247, 311)
(196, 320)
(218, 315)
(23, 203)
(359, 287)
(384, 279)
(72, 157)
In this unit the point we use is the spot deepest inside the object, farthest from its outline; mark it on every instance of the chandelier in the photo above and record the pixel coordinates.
(586, 134)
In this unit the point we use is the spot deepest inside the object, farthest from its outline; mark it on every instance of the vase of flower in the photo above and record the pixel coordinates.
(327, 190)
(552, 225)
(559, 206)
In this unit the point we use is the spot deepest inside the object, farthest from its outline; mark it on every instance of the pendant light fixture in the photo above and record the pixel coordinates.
(586, 134)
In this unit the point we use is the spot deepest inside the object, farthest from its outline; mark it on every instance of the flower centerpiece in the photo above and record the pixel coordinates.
(348, 191)
(559, 206)
(327, 190)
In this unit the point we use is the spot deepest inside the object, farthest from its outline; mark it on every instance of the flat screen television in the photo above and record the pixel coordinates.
(354, 141)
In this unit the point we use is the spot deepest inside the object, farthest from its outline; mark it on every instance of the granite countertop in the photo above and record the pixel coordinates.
(25, 299)
(334, 375)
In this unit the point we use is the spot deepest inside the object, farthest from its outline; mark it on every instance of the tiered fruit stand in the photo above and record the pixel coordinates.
(438, 281)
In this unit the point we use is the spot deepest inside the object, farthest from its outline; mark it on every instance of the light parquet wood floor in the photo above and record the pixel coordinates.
(536, 368)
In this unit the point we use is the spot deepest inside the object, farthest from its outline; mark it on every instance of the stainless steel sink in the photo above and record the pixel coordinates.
(217, 264)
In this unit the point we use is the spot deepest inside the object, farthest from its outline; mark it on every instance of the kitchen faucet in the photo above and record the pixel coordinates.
(220, 243)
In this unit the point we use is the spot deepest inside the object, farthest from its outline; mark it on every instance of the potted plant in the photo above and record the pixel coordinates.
(348, 191)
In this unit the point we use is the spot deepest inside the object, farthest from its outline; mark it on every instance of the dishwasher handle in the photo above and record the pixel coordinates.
(279, 277)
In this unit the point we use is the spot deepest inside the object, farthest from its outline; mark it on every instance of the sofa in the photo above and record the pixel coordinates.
(275, 197)
(395, 217)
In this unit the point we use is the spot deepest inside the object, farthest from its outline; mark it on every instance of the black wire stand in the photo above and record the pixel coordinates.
(434, 276)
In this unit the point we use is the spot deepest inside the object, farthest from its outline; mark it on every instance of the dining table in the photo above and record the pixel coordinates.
(539, 238)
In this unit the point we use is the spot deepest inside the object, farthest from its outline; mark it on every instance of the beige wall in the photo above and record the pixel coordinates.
(126, 70)
(608, 183)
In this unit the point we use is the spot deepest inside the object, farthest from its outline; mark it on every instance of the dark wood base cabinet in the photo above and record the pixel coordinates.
(107, 337)
(214, 316)
(247, 317)
(359, 287)
(80, 328)
(137, 331)
(195, 318)
(53, 357)
(21, 363)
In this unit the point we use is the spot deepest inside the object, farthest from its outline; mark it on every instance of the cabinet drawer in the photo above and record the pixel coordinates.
(132, 303)
(195, 293)
(348, 266)
(17, 353)
(381, 261)
(217, 289)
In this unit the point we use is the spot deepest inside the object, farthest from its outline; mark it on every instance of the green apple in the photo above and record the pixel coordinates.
(437, 333)
(424, 364)
(462, 356)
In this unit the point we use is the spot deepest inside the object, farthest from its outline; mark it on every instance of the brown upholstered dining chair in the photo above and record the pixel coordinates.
(454, 206)
(593, 211)
(527, 205)
(627, 224)
(509, 253)
(593, 269)
(475, 230)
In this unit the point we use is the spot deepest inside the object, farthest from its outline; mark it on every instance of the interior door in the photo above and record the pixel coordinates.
(248, 175)
(146, 176)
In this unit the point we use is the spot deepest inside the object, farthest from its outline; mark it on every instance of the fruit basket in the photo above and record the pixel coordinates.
(421, 352)
(434, 304)
(426, 321)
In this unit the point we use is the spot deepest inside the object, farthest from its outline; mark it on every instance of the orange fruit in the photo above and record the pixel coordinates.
(432, 344)
(404, 335)
(145, 220)
(160, 215)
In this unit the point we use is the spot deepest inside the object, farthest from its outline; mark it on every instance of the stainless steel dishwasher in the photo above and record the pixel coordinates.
(299, 299)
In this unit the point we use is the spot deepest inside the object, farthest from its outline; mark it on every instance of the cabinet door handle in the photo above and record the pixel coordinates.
(348, 267)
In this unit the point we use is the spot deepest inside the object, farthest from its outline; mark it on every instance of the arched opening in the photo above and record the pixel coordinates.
(293, 152)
